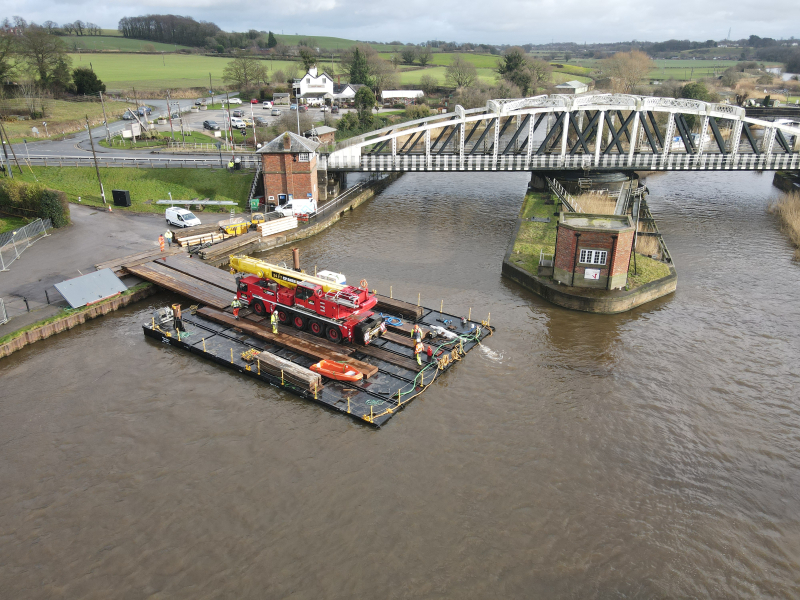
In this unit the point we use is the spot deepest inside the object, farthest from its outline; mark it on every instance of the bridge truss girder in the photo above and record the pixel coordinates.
(596, 131)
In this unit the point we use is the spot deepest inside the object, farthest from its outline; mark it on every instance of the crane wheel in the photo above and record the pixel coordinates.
(333, 334)
(316, 328)
(299, 322)
(258, 308)
(283, 316)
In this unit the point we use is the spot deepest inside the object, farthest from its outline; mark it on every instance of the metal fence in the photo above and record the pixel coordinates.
(323, 211)
(3, 315)
(248, 161)
(14, 243)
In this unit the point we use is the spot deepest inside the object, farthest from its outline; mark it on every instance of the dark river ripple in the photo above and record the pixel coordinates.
(649, 454)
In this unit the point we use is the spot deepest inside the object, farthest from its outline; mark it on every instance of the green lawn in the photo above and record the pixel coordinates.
(11, 223)
(486, 61)
(61, 117)
(647, 270)
(154, 72)
(118, 43)
(334, 43)
(145, 185)
(163, 140)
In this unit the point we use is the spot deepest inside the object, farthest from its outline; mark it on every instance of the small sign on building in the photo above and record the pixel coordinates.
(593, 274)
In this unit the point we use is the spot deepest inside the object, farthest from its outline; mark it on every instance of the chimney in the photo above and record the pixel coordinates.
(287, 141)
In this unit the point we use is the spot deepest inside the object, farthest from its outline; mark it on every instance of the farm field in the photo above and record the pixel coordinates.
(116, 44)
(332, 43)
(154, 72)
(486, 61)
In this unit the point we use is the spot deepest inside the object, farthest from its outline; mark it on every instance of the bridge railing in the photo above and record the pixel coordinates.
(159, 162)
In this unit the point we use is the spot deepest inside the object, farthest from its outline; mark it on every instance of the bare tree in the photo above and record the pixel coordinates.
(626, 69)
(408, 54)
(243, 71)
(460, 72)
(7, 51)
(50, 26)
(424, 55)
(79, 26)
(382, 73)
(43, 53)
(428, 84)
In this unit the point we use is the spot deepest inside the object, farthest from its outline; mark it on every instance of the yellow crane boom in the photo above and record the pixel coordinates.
(285, 277)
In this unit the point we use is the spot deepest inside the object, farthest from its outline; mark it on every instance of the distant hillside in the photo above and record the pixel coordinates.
(330, 43)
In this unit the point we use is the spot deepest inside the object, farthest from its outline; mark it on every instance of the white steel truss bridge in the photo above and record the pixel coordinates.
(585, 132)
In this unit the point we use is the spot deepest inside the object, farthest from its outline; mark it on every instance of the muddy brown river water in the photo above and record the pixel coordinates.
(652, 454)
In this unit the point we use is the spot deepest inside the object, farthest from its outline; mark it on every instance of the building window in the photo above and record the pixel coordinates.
(324, 80)
(593, 257)
(304, 157)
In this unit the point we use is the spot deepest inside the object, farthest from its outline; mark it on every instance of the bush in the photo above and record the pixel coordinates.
(33, 200)
(417, 111)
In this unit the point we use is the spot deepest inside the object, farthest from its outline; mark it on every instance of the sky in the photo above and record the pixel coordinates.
(478, 21)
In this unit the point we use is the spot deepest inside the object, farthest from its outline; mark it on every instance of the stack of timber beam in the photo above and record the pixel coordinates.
(303, 347)
(232, 245)
(179, 234)
(290, 372)
(277, 225)
(398, 307)
(204, 238)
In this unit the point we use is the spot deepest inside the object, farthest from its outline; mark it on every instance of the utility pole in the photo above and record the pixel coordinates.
(230, 125)
(14, 154)
(7, 162)
(211, 88)
(169, 112)
(253, 118)
(96, 168)
(105, 119)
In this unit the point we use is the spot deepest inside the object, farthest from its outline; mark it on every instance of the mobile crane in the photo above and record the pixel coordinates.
(326, 309)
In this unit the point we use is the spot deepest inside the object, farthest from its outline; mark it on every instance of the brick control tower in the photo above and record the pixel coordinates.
(289, 168)
(590, 247)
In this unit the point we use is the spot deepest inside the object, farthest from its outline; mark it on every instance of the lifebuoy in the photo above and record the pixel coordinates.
(363, 284)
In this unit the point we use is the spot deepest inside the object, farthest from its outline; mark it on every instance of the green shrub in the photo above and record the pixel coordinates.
(33, 200)
(418, 111)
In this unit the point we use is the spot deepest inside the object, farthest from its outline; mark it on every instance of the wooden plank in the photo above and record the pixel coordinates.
(200, 292)
(403, 340)
(398, 307)
(295, 374)
(138, 258)
(306, 348)
(405, 329)
(200, 270)
(223, 295)
(230, 245)
(302, 335)
(390, 357)
(185, 232)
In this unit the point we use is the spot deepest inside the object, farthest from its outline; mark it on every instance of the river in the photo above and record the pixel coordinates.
(647, 454)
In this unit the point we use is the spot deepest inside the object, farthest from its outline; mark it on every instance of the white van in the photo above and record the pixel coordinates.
(180, 217)
(298, 206)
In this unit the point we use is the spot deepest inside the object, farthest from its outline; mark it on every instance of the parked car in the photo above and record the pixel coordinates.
(303, 108)
(254, 101)
(276, 112)
(128, 115)
(176, 115)
(262, 121)
(200, 102)
(180, 217)
(235, 101)
(238, 113)
(324, 108)
(144, 110)
(237, 123)
(334, 109)
(266, 104)
(293, 107)
(210, 125)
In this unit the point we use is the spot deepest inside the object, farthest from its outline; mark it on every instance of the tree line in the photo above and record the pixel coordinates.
(33, 57)
(19, 25)
(168, 29)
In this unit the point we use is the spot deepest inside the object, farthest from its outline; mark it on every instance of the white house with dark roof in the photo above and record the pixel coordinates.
(345, 92)
(313, 85)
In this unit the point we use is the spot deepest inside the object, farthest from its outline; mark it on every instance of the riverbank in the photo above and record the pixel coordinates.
(535, 236)
(788, 210)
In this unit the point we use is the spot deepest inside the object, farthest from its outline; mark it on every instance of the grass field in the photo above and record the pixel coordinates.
(61, 116)
(145, 185)
(11, 223)
(116, 44)
(154, 72)
(164, 137)
(334, 43)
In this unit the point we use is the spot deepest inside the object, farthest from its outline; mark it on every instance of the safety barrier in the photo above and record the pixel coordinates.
(563, 195)
(3, 314)
(14, 243)
(159, 162)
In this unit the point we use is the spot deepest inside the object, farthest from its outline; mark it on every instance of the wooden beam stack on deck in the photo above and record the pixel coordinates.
(398, 307)
(289, 371)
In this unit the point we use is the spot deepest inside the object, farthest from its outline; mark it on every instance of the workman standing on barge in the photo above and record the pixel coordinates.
(236, 305)
(419, 349)
(416, 333)
(168, 237)
(274, 320)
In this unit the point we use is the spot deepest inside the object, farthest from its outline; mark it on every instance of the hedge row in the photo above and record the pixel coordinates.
(33, 200)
